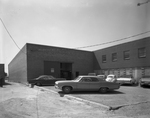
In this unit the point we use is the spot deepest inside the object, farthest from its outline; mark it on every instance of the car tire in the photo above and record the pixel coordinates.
(66, 89)
(38, 84)
(103, 90)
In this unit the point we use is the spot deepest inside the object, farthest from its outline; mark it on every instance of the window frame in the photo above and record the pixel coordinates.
(142, 52)
(104, 59)
(124, 55)
(114, 57)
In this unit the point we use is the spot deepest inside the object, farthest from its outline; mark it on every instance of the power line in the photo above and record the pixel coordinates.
(10, 34)
(112, 41)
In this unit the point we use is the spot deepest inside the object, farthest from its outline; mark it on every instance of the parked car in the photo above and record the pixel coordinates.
(126, 79)
(111, 78)
(145, 81)
(86, 83)
(102, 76)
(45, 80)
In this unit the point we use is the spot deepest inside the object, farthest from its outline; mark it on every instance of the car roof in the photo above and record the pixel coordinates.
(88, 76)
(111, 75)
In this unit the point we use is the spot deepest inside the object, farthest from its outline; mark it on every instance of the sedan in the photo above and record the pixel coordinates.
(45, 80)
(86, 83)
(145, 81)
(127, 79)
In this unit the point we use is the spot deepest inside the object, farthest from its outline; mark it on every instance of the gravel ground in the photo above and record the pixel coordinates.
(20, 101)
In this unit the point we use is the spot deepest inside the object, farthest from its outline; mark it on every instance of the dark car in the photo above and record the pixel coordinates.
(45, 80)
(145, 81)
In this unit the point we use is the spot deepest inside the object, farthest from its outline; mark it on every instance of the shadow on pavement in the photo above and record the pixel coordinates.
(89, 92)
(146, 87)
(6, 83)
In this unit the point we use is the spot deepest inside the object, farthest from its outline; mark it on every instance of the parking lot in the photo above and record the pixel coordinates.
(126, 95)
(135, 98)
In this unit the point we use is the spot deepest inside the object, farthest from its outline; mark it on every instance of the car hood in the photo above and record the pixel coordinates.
(124, 79)
(145, 79)
(65, 81)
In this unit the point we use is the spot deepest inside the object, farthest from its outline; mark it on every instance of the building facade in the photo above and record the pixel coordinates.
(35, 60)
(132, 58)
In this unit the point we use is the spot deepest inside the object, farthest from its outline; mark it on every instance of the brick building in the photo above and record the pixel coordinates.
(35, 60)
(131, 58)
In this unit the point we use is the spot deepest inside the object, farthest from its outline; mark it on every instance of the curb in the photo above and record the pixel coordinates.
(78, 99)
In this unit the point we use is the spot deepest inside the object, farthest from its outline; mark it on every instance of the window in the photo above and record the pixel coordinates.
(103, 58)
(94, 79)
(114, 57)
(86, 79)
(142, 52)
(126, 55)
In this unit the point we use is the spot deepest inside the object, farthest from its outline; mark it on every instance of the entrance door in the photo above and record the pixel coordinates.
(66, 70)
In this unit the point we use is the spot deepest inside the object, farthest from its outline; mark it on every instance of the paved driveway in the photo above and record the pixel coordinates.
(126, 95)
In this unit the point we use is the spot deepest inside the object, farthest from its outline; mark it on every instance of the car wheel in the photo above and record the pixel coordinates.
(66, 89)
(103, 90)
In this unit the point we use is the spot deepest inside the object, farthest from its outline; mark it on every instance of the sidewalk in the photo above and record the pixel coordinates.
(20, 101)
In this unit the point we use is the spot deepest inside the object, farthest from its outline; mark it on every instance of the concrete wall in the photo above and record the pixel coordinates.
(82, 61)
(17, 68)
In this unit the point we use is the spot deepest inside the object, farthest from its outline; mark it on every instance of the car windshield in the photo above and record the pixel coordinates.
(78, 78)
(110, 76)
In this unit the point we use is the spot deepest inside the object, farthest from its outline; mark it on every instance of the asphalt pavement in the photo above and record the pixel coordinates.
(125, 96)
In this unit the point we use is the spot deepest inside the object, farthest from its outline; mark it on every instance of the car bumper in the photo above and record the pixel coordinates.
(145, 83)
(125, 82)
(57, 87)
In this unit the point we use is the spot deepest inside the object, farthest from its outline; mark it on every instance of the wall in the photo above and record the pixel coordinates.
(82, 61)
(2, 73)
(133, 66)
(17, 68)
(121, 63)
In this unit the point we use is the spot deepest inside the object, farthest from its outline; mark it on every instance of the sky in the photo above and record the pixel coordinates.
(70, 23)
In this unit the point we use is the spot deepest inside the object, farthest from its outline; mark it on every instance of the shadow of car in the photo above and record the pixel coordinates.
(45, 80)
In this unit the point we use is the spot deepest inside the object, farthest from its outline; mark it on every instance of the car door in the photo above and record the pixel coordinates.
(84, 84)
(96, 83)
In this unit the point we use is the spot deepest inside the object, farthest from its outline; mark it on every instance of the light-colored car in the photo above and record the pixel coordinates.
(145, 81)
(102, 76)
(86, 83)
(111, 78)
(126, 79)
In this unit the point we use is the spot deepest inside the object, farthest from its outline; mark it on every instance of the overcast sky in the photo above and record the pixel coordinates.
(70, 23)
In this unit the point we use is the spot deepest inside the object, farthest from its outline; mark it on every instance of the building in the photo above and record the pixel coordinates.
(2, 73)
(35, 60)
(131, 58)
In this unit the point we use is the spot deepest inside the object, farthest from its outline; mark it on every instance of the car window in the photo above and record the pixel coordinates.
(94, 79)
(86, 79)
